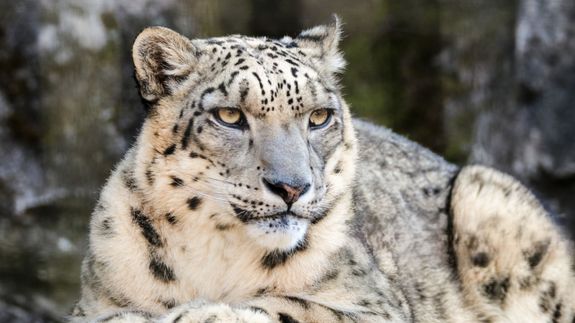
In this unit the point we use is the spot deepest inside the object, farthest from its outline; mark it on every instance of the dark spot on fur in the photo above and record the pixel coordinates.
(146, 228)
(328, 275)
(285, 318)
(276, 258)
(168, 304)
(176, 182)
(149, 176)
(480, 259)
(496, 290)
(160, 270)
(170, 150)
(294, 71)
(320, 216)
(194, 203)
(547, 298)
(105, 227)
(291, 62)
(222, 89)
(206, 92)
(119, 300)
(262, 291)
(527, 282)
(557, 313)
(171, 218)
(364, 302)
(359, 272)
(243, 215)
(471, 242)
(338, 168)
(129, 180)
(301, 302)
(260, 82)
(535, 256)
(224, 227)
(187, 132)
(243, 93)
(420, 291)
(258, 309)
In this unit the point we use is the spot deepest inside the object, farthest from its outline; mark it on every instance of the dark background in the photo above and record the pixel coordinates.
(489, 82)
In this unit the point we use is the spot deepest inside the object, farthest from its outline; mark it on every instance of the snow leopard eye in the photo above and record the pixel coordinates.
(230, 117)
(320, 118)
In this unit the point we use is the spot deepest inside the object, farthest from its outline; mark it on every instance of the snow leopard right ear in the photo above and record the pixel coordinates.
(162, 59)
(323, 43)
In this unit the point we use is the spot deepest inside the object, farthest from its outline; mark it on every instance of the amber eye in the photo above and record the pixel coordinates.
(230, 116)
(319, 118)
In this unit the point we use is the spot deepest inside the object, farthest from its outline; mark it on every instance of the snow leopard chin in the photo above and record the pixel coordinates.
(284, 232)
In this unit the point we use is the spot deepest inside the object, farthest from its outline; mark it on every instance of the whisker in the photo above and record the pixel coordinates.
(215, 195)
(221, 199)
(212, 188)
(220, 180)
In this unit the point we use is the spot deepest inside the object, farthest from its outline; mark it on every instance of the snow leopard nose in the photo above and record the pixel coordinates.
(288, 192)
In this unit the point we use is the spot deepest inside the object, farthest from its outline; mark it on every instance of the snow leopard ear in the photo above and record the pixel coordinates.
(162, 59)
(323, 43)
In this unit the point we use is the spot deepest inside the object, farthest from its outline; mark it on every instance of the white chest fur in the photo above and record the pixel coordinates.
(202, 254)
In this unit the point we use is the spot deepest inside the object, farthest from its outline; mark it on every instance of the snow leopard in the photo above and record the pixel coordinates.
(252, 195)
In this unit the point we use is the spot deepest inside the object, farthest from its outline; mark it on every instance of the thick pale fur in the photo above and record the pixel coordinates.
(371, 242)
(515, 263)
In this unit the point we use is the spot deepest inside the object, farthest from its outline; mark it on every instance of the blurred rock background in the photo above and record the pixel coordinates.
(489, 82)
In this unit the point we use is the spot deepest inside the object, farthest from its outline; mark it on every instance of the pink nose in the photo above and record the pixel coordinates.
(289, 193)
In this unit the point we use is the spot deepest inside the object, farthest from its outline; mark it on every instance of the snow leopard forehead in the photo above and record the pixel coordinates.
(263, 76)
(168, 63)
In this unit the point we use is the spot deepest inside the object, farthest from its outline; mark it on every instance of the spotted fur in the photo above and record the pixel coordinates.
(189, 228)
(515, 263)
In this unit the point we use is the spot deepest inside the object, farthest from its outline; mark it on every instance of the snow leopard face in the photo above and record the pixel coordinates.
(252, 132)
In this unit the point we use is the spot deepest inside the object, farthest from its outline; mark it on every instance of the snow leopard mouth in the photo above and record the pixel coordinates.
(282, 215)
(249, 217)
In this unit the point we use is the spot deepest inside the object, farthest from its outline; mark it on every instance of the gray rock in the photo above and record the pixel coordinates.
(534, 137)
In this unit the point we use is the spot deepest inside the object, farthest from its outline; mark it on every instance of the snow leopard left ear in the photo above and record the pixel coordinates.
(162, 60)
(322, 42)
